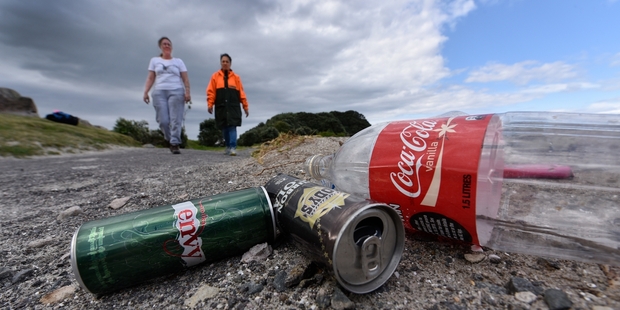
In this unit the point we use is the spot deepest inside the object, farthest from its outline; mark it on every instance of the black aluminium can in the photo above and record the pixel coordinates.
(362, 241)
(121, 251)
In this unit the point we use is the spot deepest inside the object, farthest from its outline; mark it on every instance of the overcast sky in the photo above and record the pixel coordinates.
(386, 59)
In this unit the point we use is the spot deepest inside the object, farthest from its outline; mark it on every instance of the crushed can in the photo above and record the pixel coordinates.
(121, 251)
(361, 241)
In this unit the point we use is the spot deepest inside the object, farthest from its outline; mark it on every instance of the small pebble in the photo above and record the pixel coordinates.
(526, 297)
(75, 210)
(58, 295)
(340, 301)
(40, 243)
(474, 257)
(494, 259)
(118, 203)
(22, 275)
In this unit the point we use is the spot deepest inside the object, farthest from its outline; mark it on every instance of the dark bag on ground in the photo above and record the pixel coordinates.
(62, 117)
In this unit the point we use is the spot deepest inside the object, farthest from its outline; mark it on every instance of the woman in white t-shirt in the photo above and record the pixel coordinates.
(170, 93)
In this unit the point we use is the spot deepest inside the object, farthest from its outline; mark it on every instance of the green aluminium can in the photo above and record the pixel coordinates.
(125, 250)
(361, 241)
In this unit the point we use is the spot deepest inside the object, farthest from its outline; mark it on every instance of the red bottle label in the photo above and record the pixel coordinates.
(428, 168)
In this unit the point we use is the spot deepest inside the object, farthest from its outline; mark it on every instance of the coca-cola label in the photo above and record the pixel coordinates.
(429, 168)
(189, 227)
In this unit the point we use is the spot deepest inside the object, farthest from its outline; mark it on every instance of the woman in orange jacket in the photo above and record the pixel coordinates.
(225, 93)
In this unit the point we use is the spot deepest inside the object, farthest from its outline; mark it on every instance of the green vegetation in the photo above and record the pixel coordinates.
(209, 134)
(23, 136)
(195, 145)
(326, 124)
(139, 131)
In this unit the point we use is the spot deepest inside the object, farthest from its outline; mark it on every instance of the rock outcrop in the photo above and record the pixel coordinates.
(12, 102)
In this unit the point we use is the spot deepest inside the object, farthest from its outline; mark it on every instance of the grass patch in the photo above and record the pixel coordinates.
(194, 145)
(24, 136)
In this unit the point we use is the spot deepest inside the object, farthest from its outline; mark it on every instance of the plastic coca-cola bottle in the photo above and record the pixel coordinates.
(540, 183)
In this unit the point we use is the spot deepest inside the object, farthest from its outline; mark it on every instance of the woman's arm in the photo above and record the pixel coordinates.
(244, 100)
(211, 90)
(150, 79)
(185, 78)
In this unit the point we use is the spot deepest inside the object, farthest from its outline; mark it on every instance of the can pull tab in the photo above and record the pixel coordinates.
(371, 257)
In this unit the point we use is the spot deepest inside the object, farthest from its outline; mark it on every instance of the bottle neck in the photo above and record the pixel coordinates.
(318, 166)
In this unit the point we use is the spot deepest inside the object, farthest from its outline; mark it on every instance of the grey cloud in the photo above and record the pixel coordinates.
(106, 45)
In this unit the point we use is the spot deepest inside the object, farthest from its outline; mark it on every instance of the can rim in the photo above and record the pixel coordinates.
(273, 215)
(387, 273)
(74, 265)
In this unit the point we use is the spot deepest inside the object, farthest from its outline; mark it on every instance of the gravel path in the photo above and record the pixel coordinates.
(45, 199)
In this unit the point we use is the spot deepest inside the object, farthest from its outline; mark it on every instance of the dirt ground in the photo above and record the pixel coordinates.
(45, 199)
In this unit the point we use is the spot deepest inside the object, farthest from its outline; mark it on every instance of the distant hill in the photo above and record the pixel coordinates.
(333, 123)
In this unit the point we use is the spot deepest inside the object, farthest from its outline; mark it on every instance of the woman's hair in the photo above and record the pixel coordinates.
(159, 44)
(225, 55)
(161, 39)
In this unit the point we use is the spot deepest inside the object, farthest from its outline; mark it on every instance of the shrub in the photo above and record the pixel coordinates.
(336, 123)
(351, 120)
(138, 130)
(282, 126)
(248, 138)
(304, 131)
(258, 135)
(156, 137)
(209, 134)
(268, 133)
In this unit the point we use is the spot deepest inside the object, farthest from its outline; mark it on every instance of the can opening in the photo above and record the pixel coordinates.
(366, 228)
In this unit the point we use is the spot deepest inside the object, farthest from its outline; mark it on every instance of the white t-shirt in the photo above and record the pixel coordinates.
(167, 72)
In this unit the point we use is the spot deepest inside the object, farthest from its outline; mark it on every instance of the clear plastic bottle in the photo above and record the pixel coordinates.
(540, 183)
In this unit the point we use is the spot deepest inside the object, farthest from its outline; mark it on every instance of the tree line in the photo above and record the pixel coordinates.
(332, 123)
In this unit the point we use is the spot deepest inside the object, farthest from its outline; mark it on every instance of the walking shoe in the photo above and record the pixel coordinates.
(233, 152)
(227, 151)
(175, 149)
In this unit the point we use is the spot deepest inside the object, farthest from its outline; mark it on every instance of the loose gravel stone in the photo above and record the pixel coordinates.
(517, 284)
(40, 243)
(557, 300)
(526, 297)
(58, 295)
(22, 275)
(323, 299)
(73, 211)
(259, 252)
(279, 281)
(303, 270)
(118, 203)
(251, 288)
(494, 259)
(203, 292)
(340, 301)
(474, 258)
(317, 279)
(5, 273)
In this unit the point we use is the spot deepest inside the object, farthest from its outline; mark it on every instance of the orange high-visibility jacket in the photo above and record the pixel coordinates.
(226, 97)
